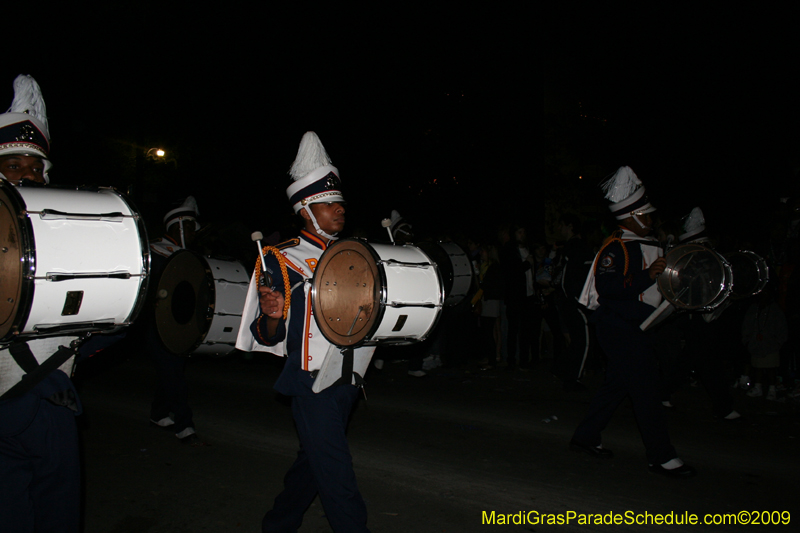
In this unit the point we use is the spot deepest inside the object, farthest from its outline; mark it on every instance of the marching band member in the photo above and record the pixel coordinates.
(701, 332)
(170, 408)
(284, 325)
(39, 458)
(621, 289)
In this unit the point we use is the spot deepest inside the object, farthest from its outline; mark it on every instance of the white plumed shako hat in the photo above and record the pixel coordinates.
(694, 227)
(627, 194)
(23, 128)
(314, 178)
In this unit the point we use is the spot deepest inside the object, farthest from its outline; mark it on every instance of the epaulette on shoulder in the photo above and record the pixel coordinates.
(291, 243)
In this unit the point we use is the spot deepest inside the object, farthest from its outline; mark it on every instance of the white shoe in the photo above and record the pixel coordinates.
(185, 433)
(417, 373)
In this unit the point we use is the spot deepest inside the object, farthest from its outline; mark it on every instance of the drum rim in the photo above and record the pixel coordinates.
(663, 278)
(28, 256)
(212, 301)
(144, 248)
(445, 290)
(763, 282)
(381, 300)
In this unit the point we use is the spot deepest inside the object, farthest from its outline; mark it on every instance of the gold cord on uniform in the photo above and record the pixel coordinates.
(615, 237)
(282, 264)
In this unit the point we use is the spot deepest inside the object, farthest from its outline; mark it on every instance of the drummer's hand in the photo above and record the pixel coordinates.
(271, 302)
(657, 268)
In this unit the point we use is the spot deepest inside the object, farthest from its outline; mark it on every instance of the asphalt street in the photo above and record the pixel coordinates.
(432, 454)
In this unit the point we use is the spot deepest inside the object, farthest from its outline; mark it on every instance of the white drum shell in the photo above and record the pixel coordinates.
(230, 290)
(405, 288)
(462, 273)
(84, 246)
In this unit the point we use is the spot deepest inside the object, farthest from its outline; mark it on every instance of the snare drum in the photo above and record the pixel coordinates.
(71, 261)
(366, 294)
(200, 302)
(695, 278)
(455, 268)
(750, 273)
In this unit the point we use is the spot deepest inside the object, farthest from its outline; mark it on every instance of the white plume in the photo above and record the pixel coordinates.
(310, 156)
(28, 99)
(695, 221)
(621, 185)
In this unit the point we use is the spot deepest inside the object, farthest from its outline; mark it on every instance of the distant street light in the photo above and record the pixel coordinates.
(155, 153)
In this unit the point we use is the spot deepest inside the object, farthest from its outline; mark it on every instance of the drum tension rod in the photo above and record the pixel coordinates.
(50, 214)
(66, 276)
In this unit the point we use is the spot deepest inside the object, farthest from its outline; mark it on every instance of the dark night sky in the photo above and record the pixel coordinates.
(398, 102)
(703, 107)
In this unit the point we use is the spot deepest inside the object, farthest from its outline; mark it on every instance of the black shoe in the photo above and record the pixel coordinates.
(574, 386)
(594, 451)
(684, 471)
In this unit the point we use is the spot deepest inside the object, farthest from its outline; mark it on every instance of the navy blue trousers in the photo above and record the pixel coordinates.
(632, 371)
(172, 389)
(323, 466)
(40, 474)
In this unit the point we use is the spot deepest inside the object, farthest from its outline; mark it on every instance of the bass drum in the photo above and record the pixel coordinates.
(695, 278)
(199, 304)
(455, 268)
(368, 294)
(72, 261)
(750, 273)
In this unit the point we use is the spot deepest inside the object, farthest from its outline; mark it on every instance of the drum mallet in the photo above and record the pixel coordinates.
(387, 223)
(257, 236)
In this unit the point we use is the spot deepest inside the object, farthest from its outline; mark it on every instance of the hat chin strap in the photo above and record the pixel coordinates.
(307, 207)
(636, 218)
(183, 240)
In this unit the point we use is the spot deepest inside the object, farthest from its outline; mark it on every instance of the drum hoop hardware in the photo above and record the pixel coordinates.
(51, 214)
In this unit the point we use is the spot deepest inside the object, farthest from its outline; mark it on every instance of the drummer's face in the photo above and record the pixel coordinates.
(22, 167)
(330, 216)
